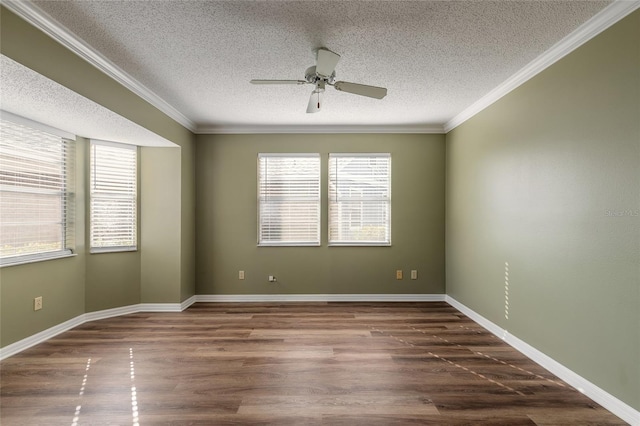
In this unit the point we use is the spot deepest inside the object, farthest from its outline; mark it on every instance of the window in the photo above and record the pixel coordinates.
(113, 192)
(288, 199)
(359, 199)
(36, 192)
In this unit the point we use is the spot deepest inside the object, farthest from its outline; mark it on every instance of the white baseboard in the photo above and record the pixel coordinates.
(110, 313)
(40, 337)
(160, 307)
(229, 298)
(185, 304)
(47, 334)
(608, 401)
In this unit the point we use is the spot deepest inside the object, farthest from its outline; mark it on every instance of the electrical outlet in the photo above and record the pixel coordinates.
(241, 275)
(37, 303)
(399, 274)
(272, 279)
(414, 274)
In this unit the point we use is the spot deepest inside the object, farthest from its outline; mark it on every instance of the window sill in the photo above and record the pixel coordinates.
(25, 261)
(360, 245)
(289, 245)
(113, 250)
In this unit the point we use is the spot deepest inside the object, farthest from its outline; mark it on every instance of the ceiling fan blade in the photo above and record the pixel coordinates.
(315, 102)
(327, 61)
(278, 82)
(361, 89)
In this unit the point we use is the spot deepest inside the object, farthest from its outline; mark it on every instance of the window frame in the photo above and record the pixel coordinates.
(133, 198)
(334, 242)
(66, 188)
(261, 203)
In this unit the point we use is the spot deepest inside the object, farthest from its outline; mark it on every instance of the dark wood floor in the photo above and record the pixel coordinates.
(297, 363)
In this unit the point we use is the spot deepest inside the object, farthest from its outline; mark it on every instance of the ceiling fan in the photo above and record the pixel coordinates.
(323, 74)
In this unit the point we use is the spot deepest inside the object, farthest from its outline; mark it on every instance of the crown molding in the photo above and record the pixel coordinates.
(585, 32)
(248, 129)
(45, 23)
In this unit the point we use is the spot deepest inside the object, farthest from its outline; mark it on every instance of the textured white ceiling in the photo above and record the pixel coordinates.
(31, 95)
(435, 57)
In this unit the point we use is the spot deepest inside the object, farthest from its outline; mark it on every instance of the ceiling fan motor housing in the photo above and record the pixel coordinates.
(313, 77)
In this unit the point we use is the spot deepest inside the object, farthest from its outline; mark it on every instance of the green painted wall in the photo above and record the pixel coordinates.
(112, 280)
(226, 218)
(187, 218)
(160, 251)
(548, 180)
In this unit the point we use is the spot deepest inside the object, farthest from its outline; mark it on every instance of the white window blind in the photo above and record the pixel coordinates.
(288, 199)
(36, 193)
(113, 192)
(360, 199)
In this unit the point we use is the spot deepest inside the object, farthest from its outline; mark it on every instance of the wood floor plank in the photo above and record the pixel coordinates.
(287, 363)
(365, 402)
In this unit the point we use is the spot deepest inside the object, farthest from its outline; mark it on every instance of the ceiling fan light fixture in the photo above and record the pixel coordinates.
(315, 100)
